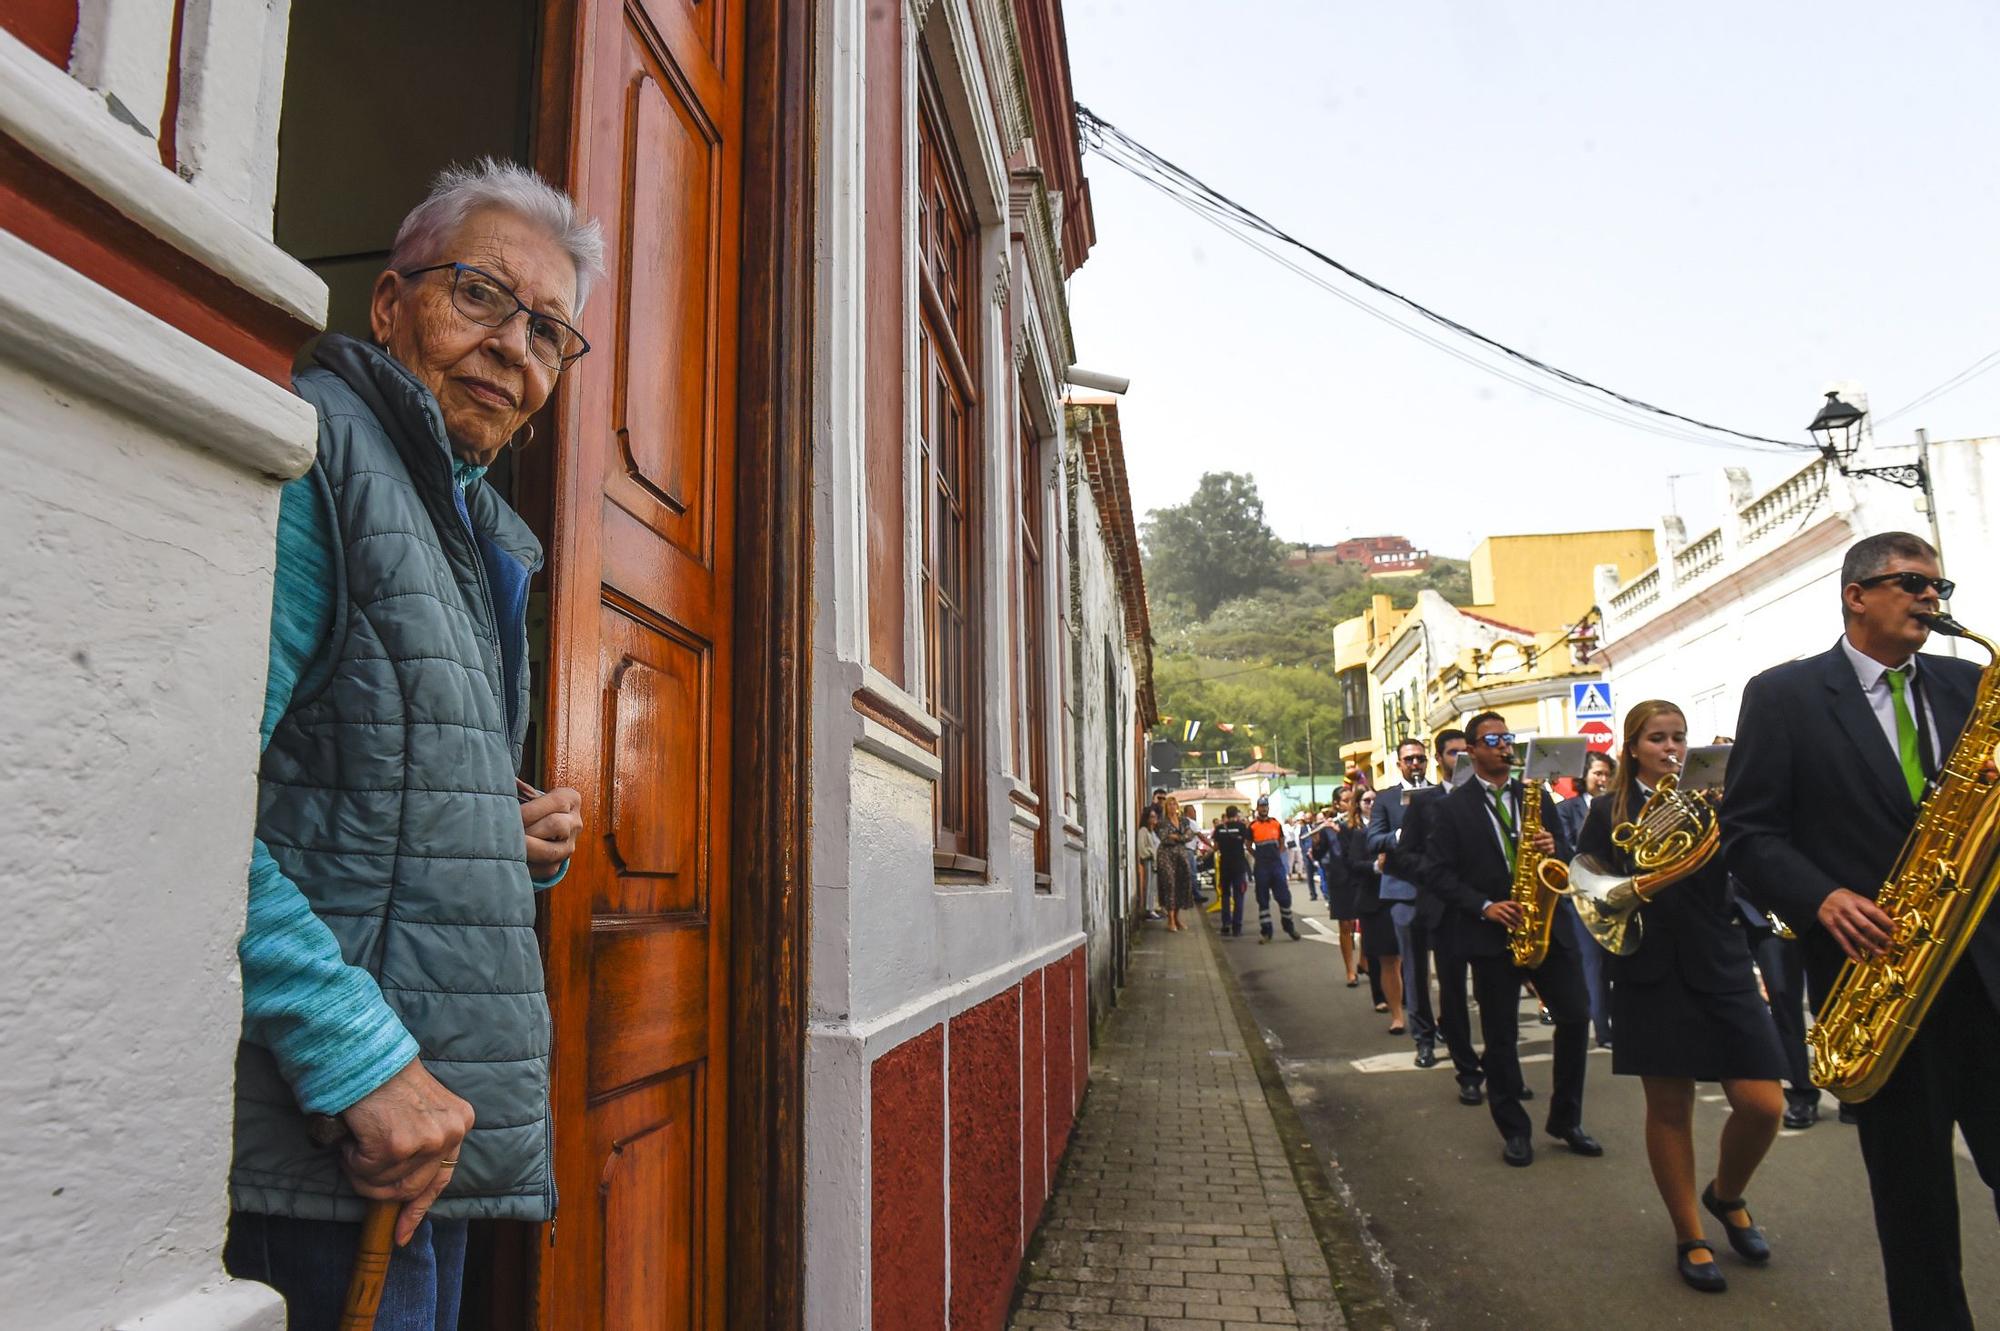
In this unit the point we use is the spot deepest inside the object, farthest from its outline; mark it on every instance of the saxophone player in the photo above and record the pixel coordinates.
(1831, 757)
(1474, 839)
(1686, 1009)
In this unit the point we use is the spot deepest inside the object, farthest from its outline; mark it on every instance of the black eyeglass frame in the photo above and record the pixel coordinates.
(1944, 586)
(1496, 739)
(459, 270)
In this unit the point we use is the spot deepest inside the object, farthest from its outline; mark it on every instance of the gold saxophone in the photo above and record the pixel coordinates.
(1675, 834)
(1538, 881)
(1942, 884)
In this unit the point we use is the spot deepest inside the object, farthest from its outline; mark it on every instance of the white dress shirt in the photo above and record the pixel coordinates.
(1874, 679)
(1503, 791)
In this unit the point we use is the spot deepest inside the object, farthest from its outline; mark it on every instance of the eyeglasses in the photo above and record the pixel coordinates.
(1913, 583)
(1418, 758)
(1494, 739)
(490, 303)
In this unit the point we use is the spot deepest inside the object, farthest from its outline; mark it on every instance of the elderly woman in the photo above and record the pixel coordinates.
(392, 987)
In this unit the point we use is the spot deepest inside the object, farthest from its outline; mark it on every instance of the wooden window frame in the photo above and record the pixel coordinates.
(951, 461)
(1033, 619)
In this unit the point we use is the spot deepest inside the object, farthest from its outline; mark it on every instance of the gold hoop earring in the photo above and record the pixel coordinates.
(523, 439)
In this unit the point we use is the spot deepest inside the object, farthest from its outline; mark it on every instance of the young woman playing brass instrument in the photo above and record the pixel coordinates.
(1685, 1006)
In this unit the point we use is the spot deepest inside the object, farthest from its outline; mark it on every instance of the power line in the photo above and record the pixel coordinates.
(1127, 153)
(1965, 376)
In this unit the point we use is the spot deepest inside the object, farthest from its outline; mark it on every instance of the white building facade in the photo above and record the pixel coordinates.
(1764, 587)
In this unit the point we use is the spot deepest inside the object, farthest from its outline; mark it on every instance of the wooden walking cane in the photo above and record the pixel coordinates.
(371, 1267)
(378, 1237)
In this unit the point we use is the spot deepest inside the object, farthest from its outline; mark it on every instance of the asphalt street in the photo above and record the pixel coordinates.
(1569, 1242)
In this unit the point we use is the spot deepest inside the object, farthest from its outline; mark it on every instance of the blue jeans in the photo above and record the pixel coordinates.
(308, 1261)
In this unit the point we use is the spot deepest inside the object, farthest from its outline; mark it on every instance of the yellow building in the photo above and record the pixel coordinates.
(1548, 581)
(1355, 641)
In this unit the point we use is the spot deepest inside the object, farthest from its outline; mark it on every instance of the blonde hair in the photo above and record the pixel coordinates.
(1625, 781)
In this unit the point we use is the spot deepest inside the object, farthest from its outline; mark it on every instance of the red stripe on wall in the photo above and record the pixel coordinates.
(67, 222)
(1061, 1067)
(47, 26)
(1034, 1105)
(985, 1094)
(1080, 1031)
(906, 1148)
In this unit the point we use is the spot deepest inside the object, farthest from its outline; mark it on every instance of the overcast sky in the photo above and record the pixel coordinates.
(1720, 207)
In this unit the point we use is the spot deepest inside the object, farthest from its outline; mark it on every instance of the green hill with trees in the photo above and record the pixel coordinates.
(1241, 638)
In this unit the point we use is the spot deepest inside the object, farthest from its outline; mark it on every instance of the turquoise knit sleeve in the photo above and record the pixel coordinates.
(334, 1036)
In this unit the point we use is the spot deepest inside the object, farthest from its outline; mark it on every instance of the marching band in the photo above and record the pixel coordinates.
(1859, 816)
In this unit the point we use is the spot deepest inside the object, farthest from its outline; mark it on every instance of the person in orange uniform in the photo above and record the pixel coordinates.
(1267, 846)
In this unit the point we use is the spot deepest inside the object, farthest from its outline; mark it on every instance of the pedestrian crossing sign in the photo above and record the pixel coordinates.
(1591, 699)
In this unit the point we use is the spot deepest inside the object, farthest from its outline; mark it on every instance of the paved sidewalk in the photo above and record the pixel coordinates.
(1176, 1209)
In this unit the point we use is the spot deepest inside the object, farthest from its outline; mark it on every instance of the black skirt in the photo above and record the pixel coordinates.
(1378, 933)
(1668, 1029)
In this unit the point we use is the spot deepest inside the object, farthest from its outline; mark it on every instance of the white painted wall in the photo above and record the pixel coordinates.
(1778, 599)
(894, 951)
(136, 531)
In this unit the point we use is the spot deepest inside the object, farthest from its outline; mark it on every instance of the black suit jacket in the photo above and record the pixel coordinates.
(1689, 929)
(1465, 870)
(1571, 813)
(1816, 799)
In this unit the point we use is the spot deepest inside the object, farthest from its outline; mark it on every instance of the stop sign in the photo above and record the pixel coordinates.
(1599, 735)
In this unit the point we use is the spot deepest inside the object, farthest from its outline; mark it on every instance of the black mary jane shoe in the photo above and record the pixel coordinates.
(1748, 1240)
(1704, 1276)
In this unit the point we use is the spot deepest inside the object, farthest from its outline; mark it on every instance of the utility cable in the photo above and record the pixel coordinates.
(1127, 153)
(1965, 376)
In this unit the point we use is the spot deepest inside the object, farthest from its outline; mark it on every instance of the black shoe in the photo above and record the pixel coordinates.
(1704, 1276)
(1848, 1115)
(1264, 937)
(1518, 1152)
(1426, 1056)
(1291, 931)
(1580, 1141)
(1471, 1093)
(1546, 1019)
(1801, 1114)
(1527, 1093)
(1748, 1240)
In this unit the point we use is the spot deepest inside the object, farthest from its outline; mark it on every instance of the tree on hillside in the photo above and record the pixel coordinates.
(1214, 547)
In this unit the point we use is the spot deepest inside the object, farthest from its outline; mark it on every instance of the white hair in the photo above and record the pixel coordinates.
(460, 191)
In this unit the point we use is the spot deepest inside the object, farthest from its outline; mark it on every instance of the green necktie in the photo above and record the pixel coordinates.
(1906, 735)
(1506, 818)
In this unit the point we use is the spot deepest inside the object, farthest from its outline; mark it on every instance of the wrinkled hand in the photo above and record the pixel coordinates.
(552, 824)
(1503, 912)
(1543, 842)
(1859, 925)
(402, 1133)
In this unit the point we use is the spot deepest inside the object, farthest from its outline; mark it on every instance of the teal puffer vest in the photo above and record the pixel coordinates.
(387, 795)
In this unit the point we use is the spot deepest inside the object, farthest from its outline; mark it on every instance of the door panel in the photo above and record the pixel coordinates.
(642, 572)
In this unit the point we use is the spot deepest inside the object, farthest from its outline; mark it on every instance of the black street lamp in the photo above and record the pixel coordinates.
(1837, 430)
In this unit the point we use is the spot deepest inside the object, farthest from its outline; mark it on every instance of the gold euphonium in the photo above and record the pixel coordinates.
(1942, 884)
(1538, 880)
(1674, 835)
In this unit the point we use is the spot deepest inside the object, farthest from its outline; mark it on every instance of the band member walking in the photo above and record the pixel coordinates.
(1598, 770)
(1831, 758)
(1474, 840)
(1686, 1009)
(1267, 844)
(1378, 930)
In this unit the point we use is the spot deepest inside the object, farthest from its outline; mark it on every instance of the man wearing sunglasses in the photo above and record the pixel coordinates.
(1830, 765)
(1475, 839)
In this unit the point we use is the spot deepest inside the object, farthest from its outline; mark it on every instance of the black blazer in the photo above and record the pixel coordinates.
(1466, 871)
(1689, 930)
(1358, 861)
(1571, 813)
(1816, 799)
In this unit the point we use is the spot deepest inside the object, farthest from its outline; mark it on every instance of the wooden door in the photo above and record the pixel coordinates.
(641, 628)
